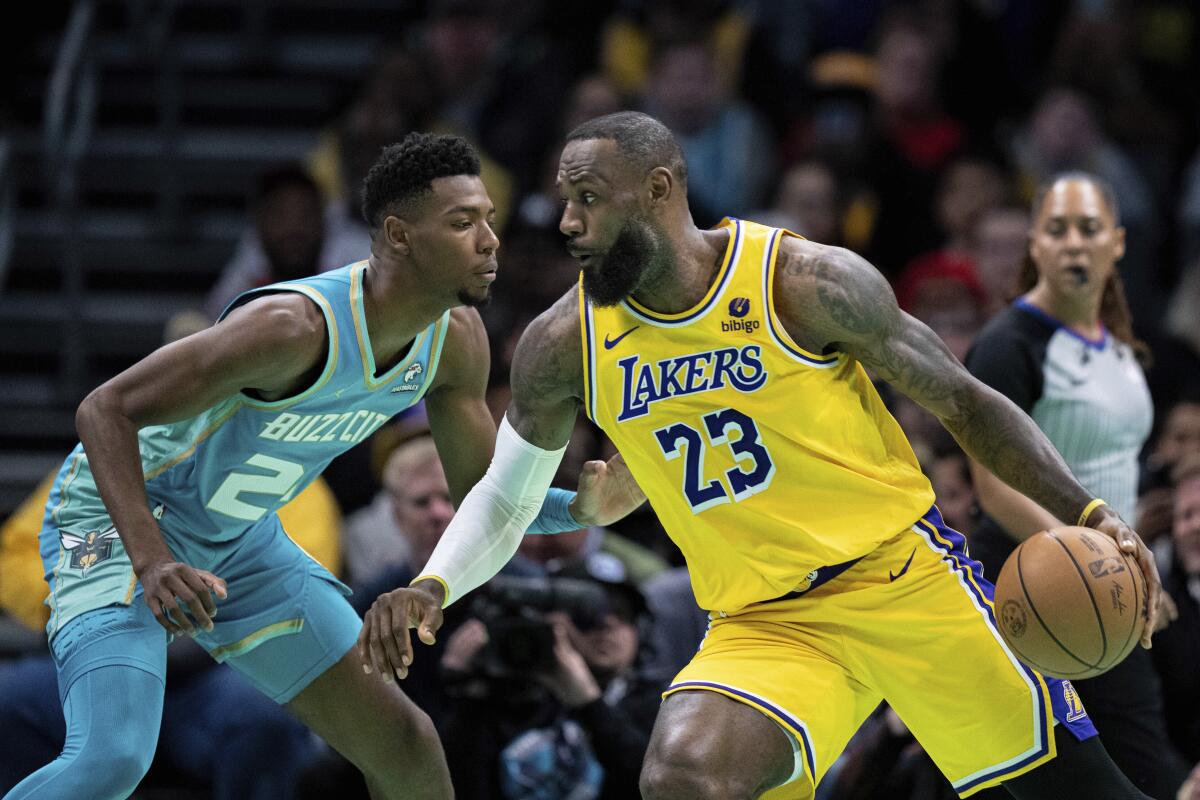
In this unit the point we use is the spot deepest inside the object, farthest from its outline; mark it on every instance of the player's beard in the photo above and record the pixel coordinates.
(474, 301)
(636, 248)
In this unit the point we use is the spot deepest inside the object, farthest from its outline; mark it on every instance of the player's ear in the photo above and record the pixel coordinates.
(660, 184)
(397, 235)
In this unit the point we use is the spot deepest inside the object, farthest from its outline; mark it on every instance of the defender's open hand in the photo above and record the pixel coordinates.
(383, 643)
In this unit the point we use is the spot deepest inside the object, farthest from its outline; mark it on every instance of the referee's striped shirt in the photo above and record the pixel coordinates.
(1088, 396)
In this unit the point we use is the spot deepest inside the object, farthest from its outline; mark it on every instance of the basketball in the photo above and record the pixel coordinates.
(1069, 603)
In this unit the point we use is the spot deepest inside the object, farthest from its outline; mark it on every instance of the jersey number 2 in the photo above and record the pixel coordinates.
(226, 501)
(757, 467)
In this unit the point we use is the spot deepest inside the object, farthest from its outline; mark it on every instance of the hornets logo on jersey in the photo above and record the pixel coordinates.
(764, 461)
(89, 549)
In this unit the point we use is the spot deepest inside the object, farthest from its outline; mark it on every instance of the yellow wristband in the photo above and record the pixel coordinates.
(439, 579)
(1088, 509)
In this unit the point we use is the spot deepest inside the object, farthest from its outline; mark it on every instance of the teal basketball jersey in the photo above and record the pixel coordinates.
(215, 476)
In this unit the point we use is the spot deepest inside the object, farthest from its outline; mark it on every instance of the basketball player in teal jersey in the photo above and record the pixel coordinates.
(162, 522)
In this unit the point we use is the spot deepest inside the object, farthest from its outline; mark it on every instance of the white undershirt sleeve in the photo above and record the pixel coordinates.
(488, 527)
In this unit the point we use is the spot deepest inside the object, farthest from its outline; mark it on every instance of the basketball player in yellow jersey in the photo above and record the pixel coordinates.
(729, 366)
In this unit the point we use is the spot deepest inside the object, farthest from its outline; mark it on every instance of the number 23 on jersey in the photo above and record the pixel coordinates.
(755, 470)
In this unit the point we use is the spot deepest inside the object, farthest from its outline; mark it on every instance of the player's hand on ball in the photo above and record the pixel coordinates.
(1105, 520)
(607, 492)
(384, 646)
(178, 594)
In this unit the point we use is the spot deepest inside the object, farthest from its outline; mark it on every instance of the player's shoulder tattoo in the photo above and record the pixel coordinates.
(831, 294)
(548, 363)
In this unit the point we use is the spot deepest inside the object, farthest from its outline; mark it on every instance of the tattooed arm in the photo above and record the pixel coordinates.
(547, 376)
(484, 534)
(831, 298)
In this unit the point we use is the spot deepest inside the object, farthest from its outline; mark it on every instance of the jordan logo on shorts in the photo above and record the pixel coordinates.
(90, 549)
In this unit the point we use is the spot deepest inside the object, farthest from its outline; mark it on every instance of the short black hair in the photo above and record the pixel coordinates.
(640, 137)
(281, 176)
(406, 170)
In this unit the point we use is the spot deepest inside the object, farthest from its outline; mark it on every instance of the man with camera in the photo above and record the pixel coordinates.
(549, 695)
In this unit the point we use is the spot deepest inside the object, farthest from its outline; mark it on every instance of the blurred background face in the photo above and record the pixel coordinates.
(611, 646)
(291, 225)
(420, 497)
(808, 194)
(1187, 525)
(999, 242)
(1075, 242)
(1180, 435)
(685, 88)
(950, 311)
(906, 72)
(1063, 129)
(461, 37)
(968, 189)
(594, 96)
(955, 492)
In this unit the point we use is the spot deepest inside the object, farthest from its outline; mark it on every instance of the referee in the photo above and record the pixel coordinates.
(1064, 352)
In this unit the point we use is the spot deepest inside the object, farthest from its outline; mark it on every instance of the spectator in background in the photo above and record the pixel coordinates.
(400, 529)
(726, 144)
(629, 41)
(999, 241)
(1177, 649)
(808, 202)
(288, 239)
(679, 622)
(914, 140)
(516, 736)
(1064, 352)
(1178, 438)
(592, 95)
(1063, 134)
(498, 81)
(969, 188)
(950, 474)
(945, 294)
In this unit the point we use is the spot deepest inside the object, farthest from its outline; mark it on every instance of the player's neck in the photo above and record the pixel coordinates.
(395, 307)
(693, 260)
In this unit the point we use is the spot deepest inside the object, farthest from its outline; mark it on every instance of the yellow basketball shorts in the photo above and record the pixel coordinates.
(911, 623)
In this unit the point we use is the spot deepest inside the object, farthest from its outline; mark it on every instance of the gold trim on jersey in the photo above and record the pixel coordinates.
(365, 351)
(442, 325)
(733, 250)
(330, 360)
(778, 333)
(586, 325)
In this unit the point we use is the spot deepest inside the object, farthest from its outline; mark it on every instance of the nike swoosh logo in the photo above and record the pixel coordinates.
(903, 569)
(609, 344)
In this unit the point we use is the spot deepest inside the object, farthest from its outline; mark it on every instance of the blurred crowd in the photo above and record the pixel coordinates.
(913, 132)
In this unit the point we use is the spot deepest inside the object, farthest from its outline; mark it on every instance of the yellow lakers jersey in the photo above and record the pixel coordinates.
(763, 461)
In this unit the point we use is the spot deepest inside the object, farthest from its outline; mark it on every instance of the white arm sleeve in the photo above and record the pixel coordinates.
(493, 516)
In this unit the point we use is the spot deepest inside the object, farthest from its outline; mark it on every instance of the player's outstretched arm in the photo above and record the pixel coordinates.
(465, 434)
(833, 298)
(492, 518)
(459, 418)
(267, 345)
